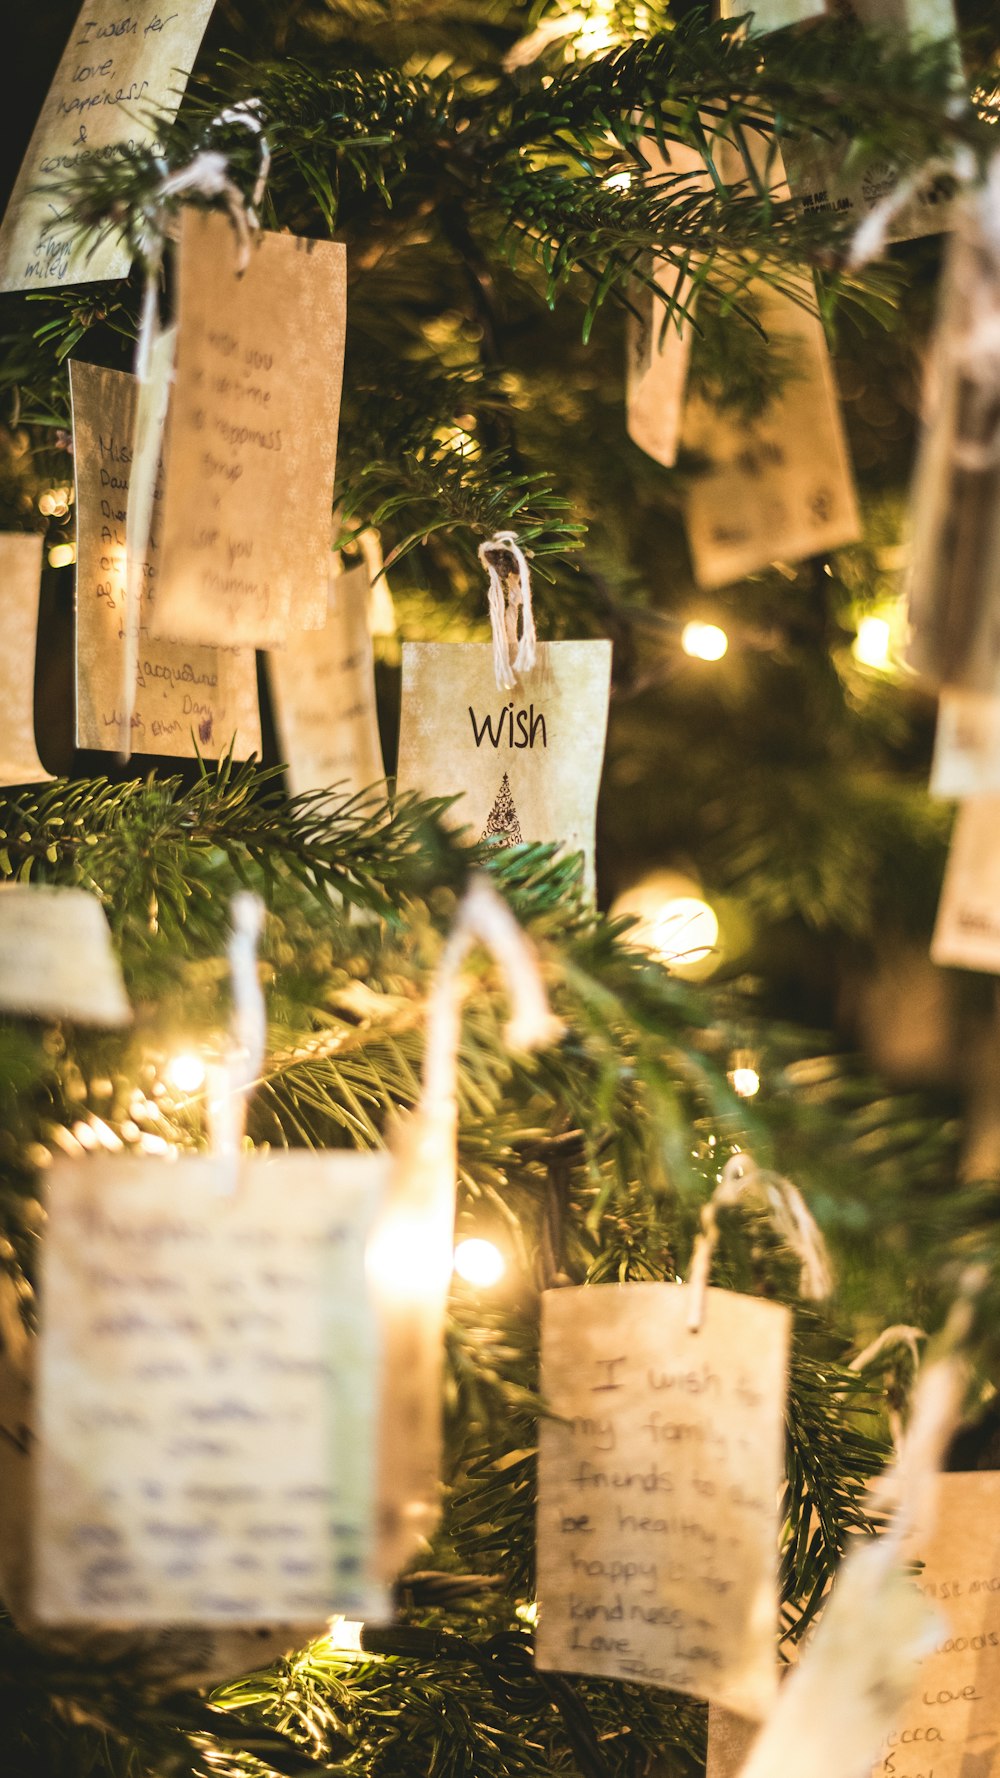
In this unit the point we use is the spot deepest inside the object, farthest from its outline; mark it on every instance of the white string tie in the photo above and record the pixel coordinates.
(790, 1217)
(232, 1082)
(511, 616)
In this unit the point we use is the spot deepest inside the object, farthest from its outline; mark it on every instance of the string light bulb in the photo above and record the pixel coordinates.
(479, 1262)
(745, 1081)
(673, 923)
(873, 643)
(185, 1073)
(62, 555)
(344, 1636)
(704, 642)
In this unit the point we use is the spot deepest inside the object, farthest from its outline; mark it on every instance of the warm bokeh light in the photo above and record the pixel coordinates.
(704, 642)
(479, 1262)
(746, 1082)
(55, 502)
(62, 555)
(673, 923)
(344, 1636)
(185, 1073)
(684, 931)
(873, 643)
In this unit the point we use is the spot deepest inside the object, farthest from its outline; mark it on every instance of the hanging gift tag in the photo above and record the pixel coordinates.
(20, 585)
(967, 931)
(15, 1448)
(527, 762)
(208, 1391)
(777, 487)
(658, 1489)
(773, 15)
(121, 78)
(56, 958)
(188, 699)
(323, 687)
(967, 744)
(730, 1739)
(656, 355)
(252, 449)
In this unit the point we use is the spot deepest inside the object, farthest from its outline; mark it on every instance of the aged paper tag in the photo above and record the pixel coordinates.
(658, 1499)
(252, 449)
(323, 687)
(778, 487)
(121, 68)
(20, 585)
(967, 931)
(773, 15)
(730, 1739)
(967, 744)
(56, 957)
(527, 763)
(15, 1449)
(657, 357)
(188, 698)
(208, 1393)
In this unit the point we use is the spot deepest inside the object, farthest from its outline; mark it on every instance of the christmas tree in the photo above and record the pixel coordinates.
(528, 195)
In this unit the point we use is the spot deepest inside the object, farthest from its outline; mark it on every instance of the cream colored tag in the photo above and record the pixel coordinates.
(123, 68)
(15, 1450)
(250, 461)
(967, 744)
(657, 358)
(208, 1391)
(56, 957)
(773, 15)
(967, 931)
(779, 487)
(658, 1497)
(188, 698)
(527, 763)
(730, 1739)
(20, 585)
(323, 687)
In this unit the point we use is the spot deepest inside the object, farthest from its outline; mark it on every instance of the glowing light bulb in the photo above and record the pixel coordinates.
(54, 503)
(684, 931)
(344, 1636)
(872, 643)
(479, 1262)
(528, 1614)
(704, 642)
(61, 555)
(186, 1073)
(746, 1082)
(618, 181)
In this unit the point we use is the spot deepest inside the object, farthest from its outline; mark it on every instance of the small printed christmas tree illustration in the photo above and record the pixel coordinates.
(503, 827)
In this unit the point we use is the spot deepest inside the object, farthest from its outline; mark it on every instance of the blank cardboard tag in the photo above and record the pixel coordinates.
(122, 69)
(773, 15)
(527, 763)
(778, 487)
(20, 585)
(323, 687)
(208, 1393)
(658, 1497)
(657, 357)
(56, 958)
(967, 931)
(187, 698)
(250, 460)
(967, 744)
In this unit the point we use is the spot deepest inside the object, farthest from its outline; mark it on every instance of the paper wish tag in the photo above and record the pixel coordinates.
(56, 957)
(188, 697)
(252, 446)
(323, 687)
(658, 1487)
(967, 744)
(773, 15)
(730, 1739)
(20, 585)
(777, 487)
(208, 1391)
(15, 1449)
(656, 356)
(122, 73)
(527, 763)
(967, 930)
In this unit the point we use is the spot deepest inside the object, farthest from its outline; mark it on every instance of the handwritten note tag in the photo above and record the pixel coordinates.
(779, 487)
(967, 931)
(967, 744)
(123, 67)
(56, 960)
(773, 15)
(657, 1507)
(527, 762)
(323, 687)
(657, 357)
(187, 697)
(20, 584)
(208, 1391)
(253, 436)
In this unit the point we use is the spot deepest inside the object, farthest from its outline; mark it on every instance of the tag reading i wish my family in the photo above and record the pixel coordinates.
(250, 460)
(188, 698)
(56, 957)
(122, 73)
(528, 763)
(777, 487)
(967, 930)
(208, 1391)
(658, 1488)
(20, 585)
(323, 687)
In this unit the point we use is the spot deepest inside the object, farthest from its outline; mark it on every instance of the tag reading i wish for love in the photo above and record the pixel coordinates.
(188, 698)
(123, 73)
(967, 930)
(252, 448)
(20, 585)
(527, 763)
(658, 1489)
(777, 487)
(208, 1391)
(56, 957)
(323, 687)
